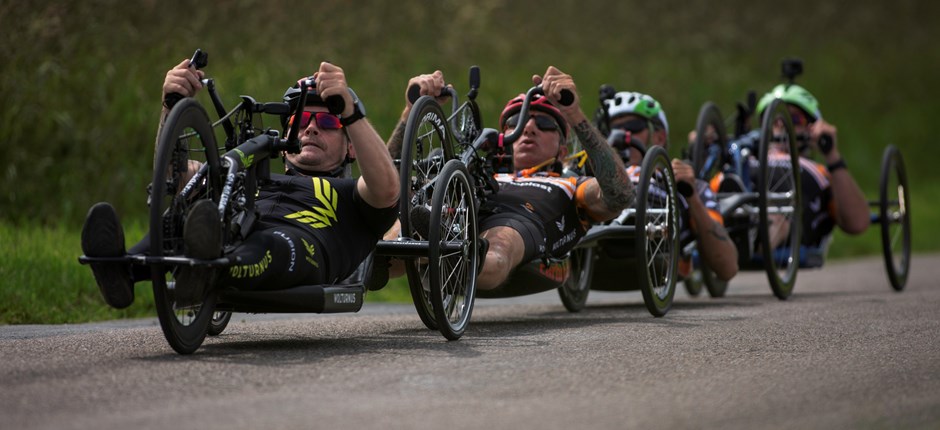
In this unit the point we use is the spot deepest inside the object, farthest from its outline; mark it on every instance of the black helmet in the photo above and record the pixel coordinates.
(292, 95)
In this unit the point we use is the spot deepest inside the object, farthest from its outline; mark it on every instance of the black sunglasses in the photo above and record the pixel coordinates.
(543, 122)
(633, 125)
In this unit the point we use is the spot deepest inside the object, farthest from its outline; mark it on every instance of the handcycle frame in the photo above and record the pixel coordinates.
(444, 287)
(230, 180)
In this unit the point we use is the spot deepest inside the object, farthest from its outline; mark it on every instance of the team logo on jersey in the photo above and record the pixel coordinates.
(310, 252)
(560, 224)
(325, 215)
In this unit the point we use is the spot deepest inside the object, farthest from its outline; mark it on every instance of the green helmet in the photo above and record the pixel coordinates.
(627, 102)
(793, 94)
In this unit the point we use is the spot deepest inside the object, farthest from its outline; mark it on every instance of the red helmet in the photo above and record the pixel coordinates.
(539, 103)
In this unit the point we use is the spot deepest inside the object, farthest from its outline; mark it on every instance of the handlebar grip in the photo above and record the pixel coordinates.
(335, 104)
(685, 189)
(567, 98)
(172, 99)
(825, 144)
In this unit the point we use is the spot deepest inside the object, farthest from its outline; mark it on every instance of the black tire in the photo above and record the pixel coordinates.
(657, 232)
(427, 145)
(574, 292)
(186, 135)
(453, 273)
(218, 322)
(709, 131)
(894, 210)
(716, 287)
(779, 200)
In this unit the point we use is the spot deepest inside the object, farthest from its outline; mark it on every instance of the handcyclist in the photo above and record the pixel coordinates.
(643, 121)
(831, 197)
(537, 212)
(315, 225)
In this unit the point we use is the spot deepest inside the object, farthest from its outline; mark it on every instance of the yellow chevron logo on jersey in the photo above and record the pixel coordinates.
(324, 216)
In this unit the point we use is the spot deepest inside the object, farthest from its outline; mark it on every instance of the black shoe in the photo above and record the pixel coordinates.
(103, 236)
(378, 277)
(483, 246)
(202, 240)
(421, 220)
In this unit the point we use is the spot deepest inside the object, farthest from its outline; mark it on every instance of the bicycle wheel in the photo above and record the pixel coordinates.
(186, 136)
(780, 222)
(426, 148)
(657, 231)
(452, 250)
(709, 133)
(218, 322)
(894, 206)
(574, 292)
(467, 124)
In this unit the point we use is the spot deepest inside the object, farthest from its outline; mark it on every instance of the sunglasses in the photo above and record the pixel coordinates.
(543, 122)
(633, 125)
(325, 120)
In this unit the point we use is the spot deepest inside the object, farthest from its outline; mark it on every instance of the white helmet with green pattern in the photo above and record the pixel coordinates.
(628, 102)
(795, 95)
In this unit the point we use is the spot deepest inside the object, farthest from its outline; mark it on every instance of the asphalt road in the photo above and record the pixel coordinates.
(844, 352)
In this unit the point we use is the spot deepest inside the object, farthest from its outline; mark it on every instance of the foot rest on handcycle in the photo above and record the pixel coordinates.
(303, 299)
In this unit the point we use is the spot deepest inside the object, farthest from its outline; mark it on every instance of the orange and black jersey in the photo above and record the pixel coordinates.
(551, 202)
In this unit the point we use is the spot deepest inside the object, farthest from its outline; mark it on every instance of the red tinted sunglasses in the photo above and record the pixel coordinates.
(325, 120)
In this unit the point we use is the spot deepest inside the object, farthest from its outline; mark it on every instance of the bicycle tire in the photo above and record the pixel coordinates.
(894, 207)
(693, 283)
(781, 262)
(574, 291)
(219, 322)
(657, 231)
(709, 116)
(186, 133)
(426, 132)
(453, 274)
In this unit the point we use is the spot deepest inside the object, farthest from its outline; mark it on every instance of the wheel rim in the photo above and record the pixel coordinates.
(895, 218)
(425, 134)
(453, 251)
(187, 136)
(657, 231)
(709, 133)
(780, 221)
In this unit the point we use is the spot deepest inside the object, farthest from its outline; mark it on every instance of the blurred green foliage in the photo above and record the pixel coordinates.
(80, 81)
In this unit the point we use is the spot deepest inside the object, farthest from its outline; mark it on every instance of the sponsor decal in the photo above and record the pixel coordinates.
(251, 270)
(319, 217)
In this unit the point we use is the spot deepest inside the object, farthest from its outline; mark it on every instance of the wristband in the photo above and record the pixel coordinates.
(840, 164)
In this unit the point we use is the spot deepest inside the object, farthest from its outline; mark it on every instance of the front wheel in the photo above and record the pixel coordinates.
(427, 145)
(186, 136)
(657, 231)
(574, 291)
(710, 142)
(219, 322)
(894, 207)
(453, 256)
(779, 199)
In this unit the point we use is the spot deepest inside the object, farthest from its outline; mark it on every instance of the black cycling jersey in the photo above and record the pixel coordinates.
(311, 230)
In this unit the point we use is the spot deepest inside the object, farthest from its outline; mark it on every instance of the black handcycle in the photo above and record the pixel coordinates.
(716, 151)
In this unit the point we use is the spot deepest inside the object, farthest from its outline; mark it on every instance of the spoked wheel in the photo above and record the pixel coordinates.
(894, 210)
(657, 231)
(453, 256)
(574, 292)
(780, 224)
(711, 140)
(427, 146)
(467, 124)
(186, 136)
(218, 322)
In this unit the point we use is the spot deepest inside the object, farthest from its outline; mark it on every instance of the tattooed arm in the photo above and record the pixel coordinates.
(611, 191)
(398, 136)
